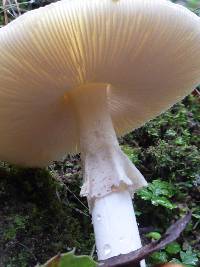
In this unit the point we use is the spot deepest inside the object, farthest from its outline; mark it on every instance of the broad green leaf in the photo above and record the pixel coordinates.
(157, 192)
(173, 248)
(53, 262)
(188, 257)
(70, 260)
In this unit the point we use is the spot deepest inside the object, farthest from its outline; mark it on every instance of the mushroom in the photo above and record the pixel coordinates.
(77, 74)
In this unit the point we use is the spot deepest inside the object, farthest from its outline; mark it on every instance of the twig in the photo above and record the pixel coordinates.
(196, 92)
(22, 10)
(135, 257)
(14, 14)
(60, 177)
(8, 6)
(5, 12)
(17, 6)
(8, 11)
(75, 196)
(93, 250)
(14, 7)
(24, 246)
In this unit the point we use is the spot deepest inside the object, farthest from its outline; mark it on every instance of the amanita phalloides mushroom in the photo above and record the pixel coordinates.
(77, 74)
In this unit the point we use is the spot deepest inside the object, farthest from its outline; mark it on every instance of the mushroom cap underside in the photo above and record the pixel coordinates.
(147, 51)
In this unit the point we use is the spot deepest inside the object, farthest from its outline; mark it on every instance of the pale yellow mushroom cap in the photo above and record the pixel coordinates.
(148, 51)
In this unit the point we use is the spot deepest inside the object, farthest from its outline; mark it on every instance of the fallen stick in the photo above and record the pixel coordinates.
(133, 258)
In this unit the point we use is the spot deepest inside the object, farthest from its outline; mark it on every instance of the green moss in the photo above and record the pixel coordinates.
(38, 220)
(169, 151)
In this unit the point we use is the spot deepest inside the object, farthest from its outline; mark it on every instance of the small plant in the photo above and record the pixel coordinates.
(159, 193)
(173, 248)
(69, 259)
(188, 258)
(154, 235)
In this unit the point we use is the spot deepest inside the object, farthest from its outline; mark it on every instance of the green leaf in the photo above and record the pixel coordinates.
(145, 194)
(162, 201)
(197, 216)
(70, 260)
(157, 192)
(154, 235)
(159, 257)
(179, 141)
(173, 248)
(163, 188)
(175, 261)
(188, 257)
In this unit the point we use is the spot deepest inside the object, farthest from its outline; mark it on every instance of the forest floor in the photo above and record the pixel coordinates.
(41, 212)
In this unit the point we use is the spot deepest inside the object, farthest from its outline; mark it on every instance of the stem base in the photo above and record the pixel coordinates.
(115, 226)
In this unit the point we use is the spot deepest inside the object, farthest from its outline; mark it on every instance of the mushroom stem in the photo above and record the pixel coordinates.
(115, 226)
(109, 176)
